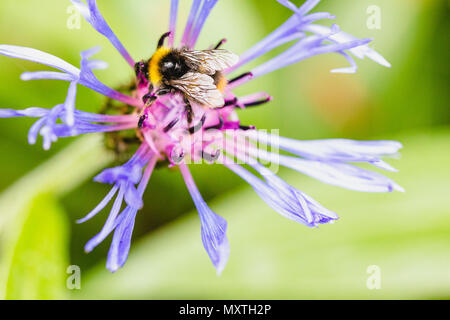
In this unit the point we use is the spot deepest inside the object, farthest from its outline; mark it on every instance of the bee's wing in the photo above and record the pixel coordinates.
(210, 61)
(200, 88)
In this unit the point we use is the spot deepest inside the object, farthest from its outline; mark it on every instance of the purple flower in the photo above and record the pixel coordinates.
(214, 135)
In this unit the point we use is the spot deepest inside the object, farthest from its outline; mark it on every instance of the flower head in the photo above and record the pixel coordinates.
(170, 128)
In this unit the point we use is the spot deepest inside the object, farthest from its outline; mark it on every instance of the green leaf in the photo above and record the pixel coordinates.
(58, 175)
(40, 256)
(33, 230)
(406, 235)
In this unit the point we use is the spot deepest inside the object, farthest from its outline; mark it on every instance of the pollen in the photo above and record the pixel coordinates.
(154, 73)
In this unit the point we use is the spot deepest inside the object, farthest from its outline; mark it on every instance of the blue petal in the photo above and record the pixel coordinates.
(120, 246)
(281, 203)
(342, 175)
(94, 17)
(100, 206)
(39, 57)
(213, 226)
(173, 20)
(214, 237)
(109, 224)
(205, 10)
(191, 20)
(342, 150)
(52, 75)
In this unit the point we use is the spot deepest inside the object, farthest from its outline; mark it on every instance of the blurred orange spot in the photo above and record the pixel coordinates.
(341, 99)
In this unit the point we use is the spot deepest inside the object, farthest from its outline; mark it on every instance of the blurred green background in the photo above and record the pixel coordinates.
(406, 235)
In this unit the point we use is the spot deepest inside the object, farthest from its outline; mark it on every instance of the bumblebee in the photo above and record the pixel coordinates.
(196, 74)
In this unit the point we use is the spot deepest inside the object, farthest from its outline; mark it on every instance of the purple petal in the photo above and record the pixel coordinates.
(342, 175)
(30, 112)
(39, 57)
(288, 4)
(291, 30)
(88, 79)
(40, 75)
(304, 49)
(113, 175)
(282, 204)
(190, 22)
(206, 9)
(122, 223)
(133, 198)
(94, 17)
(343, 37)
(80, 127)
(304, 9)
(34, 130)
(353, 66)
(100, 206)
(86, 76)
(131, 172)
(333, 149)
(94, 117)
(213, 228)
(173, 21)
(308, 6)
(48, 130)
(48, 127)
(312, 210)
(120, 246)
(109, 224)
(69, 104)
(296, 28)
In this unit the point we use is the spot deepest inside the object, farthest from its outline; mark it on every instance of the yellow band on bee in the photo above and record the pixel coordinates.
(154, 73)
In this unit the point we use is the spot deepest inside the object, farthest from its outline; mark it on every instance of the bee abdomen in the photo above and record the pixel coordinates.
(220, 81)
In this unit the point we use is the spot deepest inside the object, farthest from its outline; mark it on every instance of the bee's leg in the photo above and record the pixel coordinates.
(189, 111)
(164, 90)
(171, 125)
(221, 43)
(163, 38)
(149, 98)
(198, 126)
(141, 121)
(141, 70)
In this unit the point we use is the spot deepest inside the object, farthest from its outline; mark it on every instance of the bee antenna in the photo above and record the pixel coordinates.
(163, 38)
